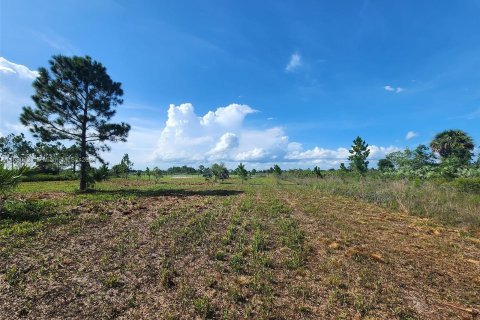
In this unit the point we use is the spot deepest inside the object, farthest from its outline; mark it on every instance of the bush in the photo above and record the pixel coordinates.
(9, 179)
(67, 176)
(471, 185)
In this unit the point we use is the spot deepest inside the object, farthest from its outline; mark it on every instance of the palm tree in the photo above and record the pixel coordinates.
(453, 144)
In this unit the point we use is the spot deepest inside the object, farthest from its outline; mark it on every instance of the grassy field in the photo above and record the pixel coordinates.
(266, 249)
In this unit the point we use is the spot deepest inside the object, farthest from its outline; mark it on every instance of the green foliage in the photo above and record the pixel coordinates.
(453, 144)
(242, 172)
(126, 165)
(101, 173)
(32, 176)
(157, 174)
(181, 170)
(9, 179)
(317, 172)
(219, 171)
(15, 149)
(358, 155)
(75, 101)
(148, 173)
(277, 170)
(385, 165)
(471, 185)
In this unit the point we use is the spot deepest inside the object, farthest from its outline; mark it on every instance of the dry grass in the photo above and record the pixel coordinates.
(421, 198)
(189, 249)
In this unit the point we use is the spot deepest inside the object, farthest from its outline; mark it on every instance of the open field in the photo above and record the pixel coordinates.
(266, 249)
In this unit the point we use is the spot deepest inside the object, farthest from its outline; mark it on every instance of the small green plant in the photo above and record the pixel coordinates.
(113, 281)
(167, 274)
(203, 308)
(9, 179)
(13, 276)
(237, 262)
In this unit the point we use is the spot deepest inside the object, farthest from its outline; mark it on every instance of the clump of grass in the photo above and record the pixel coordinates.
(113, 281)
(13, 276)
(168, 274)
(237, 262)
(203, 307)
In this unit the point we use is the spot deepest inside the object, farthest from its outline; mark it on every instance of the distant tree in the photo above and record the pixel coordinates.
(157, 174)
(343, 167)
(358, 155)
(453, 144)
(201, 169)
(277, 171)
(421, 157)
(101, 173)
(385, 165)
(138, 173)
(15, 149)
(75, 101)
(22, 149)
(6, 149)
(242, 172)
(317, 172)
(253, 172)
(72, 155)
(125, 166)
(207, 174)
(148, 172)
(219, 171)
(48, 157)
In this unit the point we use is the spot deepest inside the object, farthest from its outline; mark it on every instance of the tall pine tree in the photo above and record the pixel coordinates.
(75, 101)
(358, 155)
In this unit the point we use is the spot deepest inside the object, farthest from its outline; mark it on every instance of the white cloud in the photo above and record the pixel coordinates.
(8, 67)
(411, 135)
(392, 89)
(294, 63)
(221, 135)
(227, 143)
(15, 91)
(217, 135)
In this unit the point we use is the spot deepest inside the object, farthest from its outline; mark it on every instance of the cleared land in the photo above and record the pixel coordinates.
(185, 248)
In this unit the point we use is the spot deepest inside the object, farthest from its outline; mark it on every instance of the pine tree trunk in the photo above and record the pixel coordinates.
(83, 168)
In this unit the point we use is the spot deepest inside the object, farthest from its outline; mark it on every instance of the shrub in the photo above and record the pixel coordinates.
(8, 181)
(471, 185)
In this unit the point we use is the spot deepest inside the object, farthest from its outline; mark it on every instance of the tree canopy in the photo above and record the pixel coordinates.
(453, 144)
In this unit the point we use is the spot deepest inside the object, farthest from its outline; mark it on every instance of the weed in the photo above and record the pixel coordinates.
(203, 308)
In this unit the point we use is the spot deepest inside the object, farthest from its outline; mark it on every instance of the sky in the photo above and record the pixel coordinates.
(259, 82)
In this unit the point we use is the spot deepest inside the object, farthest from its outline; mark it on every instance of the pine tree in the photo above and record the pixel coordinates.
(242, 172)
(358, 155)
(75, 101)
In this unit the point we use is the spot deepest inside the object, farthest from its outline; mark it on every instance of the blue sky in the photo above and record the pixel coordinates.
(297, 80)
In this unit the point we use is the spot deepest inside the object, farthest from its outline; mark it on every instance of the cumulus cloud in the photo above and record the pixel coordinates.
(294, 63)
(221, 135)
(392, 89)
(217, 135)
(15, 91)
(411, 135)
